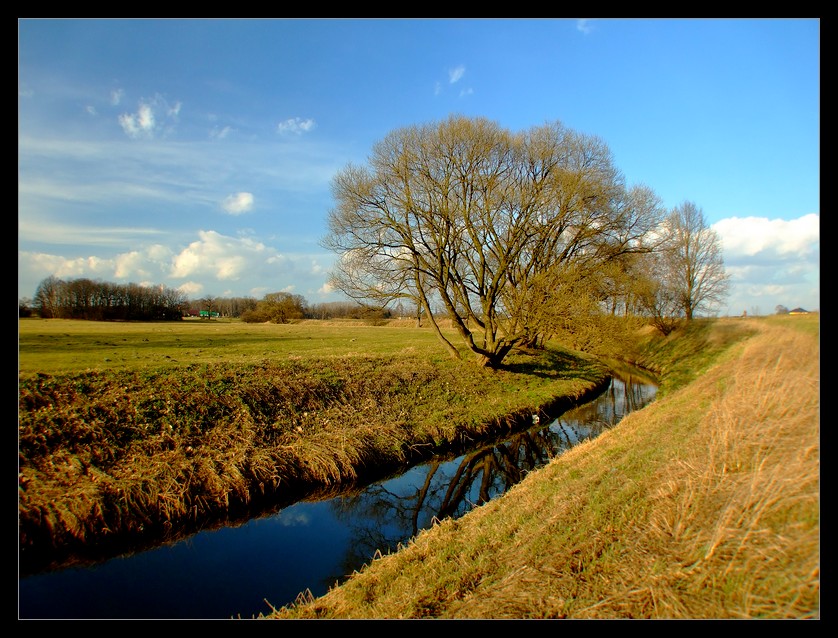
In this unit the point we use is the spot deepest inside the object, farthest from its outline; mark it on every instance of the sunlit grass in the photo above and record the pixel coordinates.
(149, 450)
(57, 345)
(703, 505)
(809, 324)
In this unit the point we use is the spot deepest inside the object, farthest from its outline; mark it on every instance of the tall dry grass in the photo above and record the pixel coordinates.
(744, 505)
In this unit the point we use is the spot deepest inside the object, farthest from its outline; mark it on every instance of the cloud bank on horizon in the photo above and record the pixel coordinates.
(771, 263)
(201, 166)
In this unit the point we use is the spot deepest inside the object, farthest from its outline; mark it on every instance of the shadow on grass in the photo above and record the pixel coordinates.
(553, 364)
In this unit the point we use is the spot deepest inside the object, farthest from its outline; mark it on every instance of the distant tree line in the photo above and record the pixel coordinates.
(104, 301)
(284, 307)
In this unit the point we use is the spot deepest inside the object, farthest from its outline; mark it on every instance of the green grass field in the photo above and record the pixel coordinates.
(66, 345)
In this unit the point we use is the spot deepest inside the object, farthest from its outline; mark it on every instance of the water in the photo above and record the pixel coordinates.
(242, 571)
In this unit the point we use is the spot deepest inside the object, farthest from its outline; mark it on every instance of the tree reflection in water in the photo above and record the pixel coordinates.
(389, 513)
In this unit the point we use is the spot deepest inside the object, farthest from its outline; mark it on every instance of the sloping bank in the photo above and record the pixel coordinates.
(703, 505)
(111, 462)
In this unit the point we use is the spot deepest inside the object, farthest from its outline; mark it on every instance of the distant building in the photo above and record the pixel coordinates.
(798, 311)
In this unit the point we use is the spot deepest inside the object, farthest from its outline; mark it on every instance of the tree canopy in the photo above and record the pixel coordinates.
(504, 231)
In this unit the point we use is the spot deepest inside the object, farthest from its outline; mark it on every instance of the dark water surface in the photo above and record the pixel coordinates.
(231, 572)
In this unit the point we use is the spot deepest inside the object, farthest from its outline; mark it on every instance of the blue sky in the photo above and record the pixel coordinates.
(198, 154)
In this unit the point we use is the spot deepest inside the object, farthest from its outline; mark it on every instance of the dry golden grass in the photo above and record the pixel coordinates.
(703, 505)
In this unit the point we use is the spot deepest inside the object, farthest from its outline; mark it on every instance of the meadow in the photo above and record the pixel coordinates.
(133, 434)
(66, 345)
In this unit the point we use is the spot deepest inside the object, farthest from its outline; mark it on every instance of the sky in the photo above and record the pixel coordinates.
(198, 154)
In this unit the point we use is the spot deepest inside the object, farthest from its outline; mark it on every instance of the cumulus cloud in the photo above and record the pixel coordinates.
(145, 123)
(130, 264)
(34, 267)
(219, 256)
(748, 237)
(771, 262)
(191, 289)
(213, 257)
(295, 125)
(139, 124)
(65, 268)
(456, 74)
(238, 203)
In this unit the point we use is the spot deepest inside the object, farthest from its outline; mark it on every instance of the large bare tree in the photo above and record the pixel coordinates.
(492, 226)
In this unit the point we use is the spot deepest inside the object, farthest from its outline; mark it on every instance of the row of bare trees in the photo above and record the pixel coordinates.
(104, 301)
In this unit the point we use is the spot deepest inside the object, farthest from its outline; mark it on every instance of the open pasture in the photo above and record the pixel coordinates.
(66, 345)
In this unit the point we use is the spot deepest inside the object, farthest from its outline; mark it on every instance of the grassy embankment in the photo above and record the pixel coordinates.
(703, 505)
(133, 434)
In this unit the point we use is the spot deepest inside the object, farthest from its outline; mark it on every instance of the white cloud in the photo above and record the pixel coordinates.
(456, 74)
(238, 203)
(145, 123)
(760, 237)
(583, 25)
(203, 264)
(116, 96)
(296, 125)
(62, 268)
(139, 124)
(191, 289)
(771, 262)
(148, 263)
(467, 91)
(219, 256)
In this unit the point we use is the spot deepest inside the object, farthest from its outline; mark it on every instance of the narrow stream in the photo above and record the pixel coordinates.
(240, 572)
